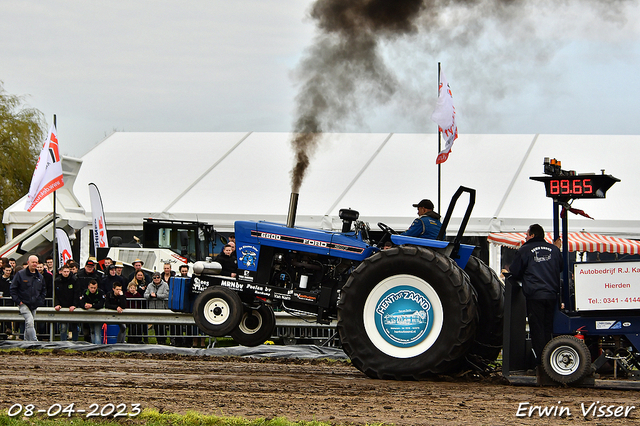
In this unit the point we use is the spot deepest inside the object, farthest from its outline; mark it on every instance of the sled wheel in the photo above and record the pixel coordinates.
(490, 290)
(256, 326)
(217, 311)
(406, 313)
(566, 359)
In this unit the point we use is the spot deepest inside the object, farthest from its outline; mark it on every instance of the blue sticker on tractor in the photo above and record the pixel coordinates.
(404, 316)
(248, 257)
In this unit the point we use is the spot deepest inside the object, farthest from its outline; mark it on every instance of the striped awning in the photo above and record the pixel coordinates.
(578, 241)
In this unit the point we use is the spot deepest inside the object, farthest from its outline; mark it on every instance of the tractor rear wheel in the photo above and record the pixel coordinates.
(217, 311)
(407, 313)
(255, 327)
(566, 359)
(490, 290)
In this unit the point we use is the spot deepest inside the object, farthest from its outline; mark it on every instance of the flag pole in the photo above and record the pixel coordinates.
(54, 255)
(439, 146)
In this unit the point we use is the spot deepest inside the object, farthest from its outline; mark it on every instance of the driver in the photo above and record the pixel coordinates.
(427, 225)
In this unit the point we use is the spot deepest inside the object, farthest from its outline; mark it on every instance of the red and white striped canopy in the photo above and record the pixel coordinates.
(578, 241)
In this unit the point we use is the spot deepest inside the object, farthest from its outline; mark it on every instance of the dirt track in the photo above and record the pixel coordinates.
(297, 390)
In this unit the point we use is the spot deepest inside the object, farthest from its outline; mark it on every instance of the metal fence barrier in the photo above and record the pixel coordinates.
(181, 331)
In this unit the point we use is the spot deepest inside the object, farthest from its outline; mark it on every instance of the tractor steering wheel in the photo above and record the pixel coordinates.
(386, 228)
(387, 231)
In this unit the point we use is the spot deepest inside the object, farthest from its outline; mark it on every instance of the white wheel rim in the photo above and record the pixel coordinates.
(565, 360)
(216, 311)
(243, 325)
(421, 326)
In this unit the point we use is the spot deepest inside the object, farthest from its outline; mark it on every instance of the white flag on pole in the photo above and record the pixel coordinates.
(64, 247)
(99, 226)
(47, 177)
(445, 116)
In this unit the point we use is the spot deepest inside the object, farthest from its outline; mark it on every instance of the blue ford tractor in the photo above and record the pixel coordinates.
(420, 308)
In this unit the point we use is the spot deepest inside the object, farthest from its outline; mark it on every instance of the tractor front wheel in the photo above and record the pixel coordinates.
(255, 327)
(217, 311)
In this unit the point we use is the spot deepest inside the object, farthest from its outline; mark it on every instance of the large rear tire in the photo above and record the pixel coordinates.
(566, 359)
(255, 327)
(217, 311)
(490, 290)
(407, 313)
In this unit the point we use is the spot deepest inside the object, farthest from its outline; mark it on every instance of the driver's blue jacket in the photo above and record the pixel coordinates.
(426, 226)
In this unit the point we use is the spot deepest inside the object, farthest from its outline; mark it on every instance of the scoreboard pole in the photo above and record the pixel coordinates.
(563, 186)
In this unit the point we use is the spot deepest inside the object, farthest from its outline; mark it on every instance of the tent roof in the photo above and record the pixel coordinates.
(578, 241)
(222, 177)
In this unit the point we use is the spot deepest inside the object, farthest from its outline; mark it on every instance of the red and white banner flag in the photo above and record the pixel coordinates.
(445, 116)
(47, 177)
(64, 247)
(99, 226)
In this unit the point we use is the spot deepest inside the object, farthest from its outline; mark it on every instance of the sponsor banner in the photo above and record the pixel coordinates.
(47, 176)
(607, 286)
(64, 247)
(99, 226)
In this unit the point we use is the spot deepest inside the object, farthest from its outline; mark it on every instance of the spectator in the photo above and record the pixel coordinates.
(119, 267)
(131, 295)
(387, 245)
(28, 291)
(5, 294)
(93, 298)
(157, 295)
(116, 300)
(84, 277)
(141, 282)
(5, 281)
(228, 261)
(73, 267)
(110, 278)
(137, 265)
(48, 278)
(167, 273)
(184, 271)
(12, 262)
(66, 297)
(106, 262)
(49, 264)
(88, 273)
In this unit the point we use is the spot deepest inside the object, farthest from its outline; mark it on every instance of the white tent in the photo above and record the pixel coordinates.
(222, 177)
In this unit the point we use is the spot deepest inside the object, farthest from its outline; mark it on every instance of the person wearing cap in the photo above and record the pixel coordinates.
(83, 278)
(88, 273)
(427, 225)
(137, 265)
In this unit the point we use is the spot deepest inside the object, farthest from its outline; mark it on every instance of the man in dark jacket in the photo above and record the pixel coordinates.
(539, 263)
(88, 273)
(228, 260)
(28, 291)
(66, 297)
(116, 300)
(93, 298)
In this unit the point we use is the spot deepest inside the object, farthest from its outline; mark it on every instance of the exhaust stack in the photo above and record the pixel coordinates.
(293, 207)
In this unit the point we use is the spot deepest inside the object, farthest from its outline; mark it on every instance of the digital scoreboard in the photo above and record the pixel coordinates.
(577, 186)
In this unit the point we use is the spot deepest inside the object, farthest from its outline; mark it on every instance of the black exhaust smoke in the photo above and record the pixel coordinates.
(347, 70)
(293, 207)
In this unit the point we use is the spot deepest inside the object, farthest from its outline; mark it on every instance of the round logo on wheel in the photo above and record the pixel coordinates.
(404, 316)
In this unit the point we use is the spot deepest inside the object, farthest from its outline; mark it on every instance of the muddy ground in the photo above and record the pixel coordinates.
(298, 390)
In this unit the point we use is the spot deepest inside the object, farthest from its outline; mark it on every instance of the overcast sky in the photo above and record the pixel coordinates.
(214, 66)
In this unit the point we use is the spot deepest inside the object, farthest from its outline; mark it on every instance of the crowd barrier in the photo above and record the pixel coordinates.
(180, 327)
